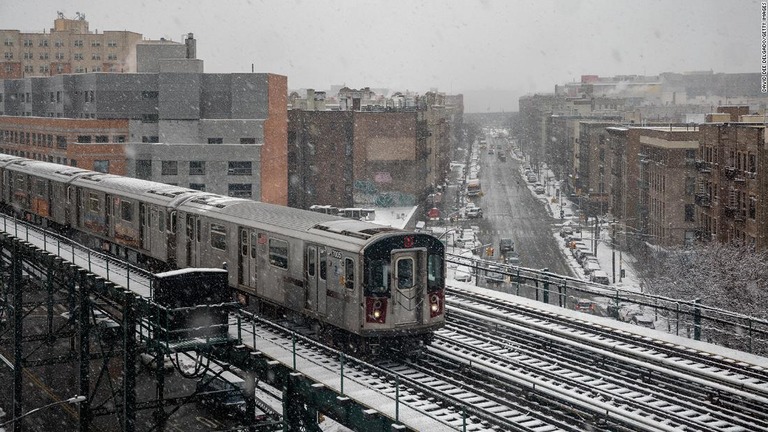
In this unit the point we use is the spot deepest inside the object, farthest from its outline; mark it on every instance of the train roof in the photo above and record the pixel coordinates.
(290, 221)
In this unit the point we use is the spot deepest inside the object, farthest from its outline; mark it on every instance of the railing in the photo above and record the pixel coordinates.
(683, 317)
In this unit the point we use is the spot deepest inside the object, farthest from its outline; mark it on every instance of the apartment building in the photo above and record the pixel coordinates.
(223, 133)
(69, 47)
(731, 186)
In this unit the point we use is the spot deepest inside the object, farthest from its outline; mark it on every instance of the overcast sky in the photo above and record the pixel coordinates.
(475, 47)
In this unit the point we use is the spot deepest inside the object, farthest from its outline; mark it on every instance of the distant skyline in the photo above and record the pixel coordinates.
(493, 51)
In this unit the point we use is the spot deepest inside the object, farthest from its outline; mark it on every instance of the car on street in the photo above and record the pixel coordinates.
(474, 212)
(601, 277)
(493, 275)
(566, 230)
(587, 306)
(506, 245)
(538, 188)
(644, 320)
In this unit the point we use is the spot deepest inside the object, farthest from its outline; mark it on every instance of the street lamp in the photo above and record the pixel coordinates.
(72, 400)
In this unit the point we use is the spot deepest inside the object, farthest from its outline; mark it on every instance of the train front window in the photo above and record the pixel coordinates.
(404, 273)
(434, 272)
(378, 278)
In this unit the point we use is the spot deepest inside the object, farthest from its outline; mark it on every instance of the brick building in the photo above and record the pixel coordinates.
(731, 187)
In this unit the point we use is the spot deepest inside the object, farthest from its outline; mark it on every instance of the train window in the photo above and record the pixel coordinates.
(378, 280)
(126, 210)
(172, 222)
(93, 203)
(161, 221)
(254, 242)
(404, 273)
(152, 217)
(311, 257)
(243, 242)
(349, 273)
(218, 237)
(40, 187)
(323, 264)
(278, 253)
(434, 271)
(69, 194)
(198, 233)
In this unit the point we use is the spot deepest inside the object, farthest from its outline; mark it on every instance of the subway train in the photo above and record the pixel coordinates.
(357, 284)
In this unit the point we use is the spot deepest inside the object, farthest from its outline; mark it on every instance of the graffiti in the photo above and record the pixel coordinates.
(365, 187)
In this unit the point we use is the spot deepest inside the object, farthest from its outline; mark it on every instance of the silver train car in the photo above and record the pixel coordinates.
(356, 283)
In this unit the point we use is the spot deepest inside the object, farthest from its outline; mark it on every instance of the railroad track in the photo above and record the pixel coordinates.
(695, 390)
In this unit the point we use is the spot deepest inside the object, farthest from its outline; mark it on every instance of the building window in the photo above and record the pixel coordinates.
(61, 141)
(197, 186)
(72, 162)
(8, 42)
(59, 56)
(239, 168)
(170, 168)
(144, 169)
(83, 139)
(28, 43)
(44, 56)
(240, 190)
(689, 213)
(78, 56)
(112, 44)
(150, 139)
(215, 140)
(247, 140)
(102, 138)
(150, 118)
(28, 56)
(278, 253)
(95, 56)
(119, 138)
(43, 43)
(149, 94)
(44, 69)
(95, 43)
(196, 167)
(112, 57)
(101, 166)
(78, 43)
(8, 55)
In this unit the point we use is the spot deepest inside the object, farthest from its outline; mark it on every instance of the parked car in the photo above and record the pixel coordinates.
(463, 274)
(590, 266)
(600, 277)
(566, 230)
(644, 320)
(493, 274)
(539, 188)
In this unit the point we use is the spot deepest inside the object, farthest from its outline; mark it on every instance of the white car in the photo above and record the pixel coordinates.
(463, 274)
(474, 212)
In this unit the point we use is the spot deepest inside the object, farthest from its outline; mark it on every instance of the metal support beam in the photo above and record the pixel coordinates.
(84, 326)
(129, 360)
(18, 366)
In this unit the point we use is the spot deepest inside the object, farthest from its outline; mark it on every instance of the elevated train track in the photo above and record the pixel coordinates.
(506, 366)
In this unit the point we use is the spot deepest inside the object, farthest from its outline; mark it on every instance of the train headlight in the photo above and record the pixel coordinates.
(436, 304)
(376, 310)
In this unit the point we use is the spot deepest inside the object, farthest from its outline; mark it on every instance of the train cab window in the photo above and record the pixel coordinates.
(254, 242)
(311, 258)
(434, 271)
(218, 237)
(93, 203)
(126, 210)
(378, 279)
(278, 253)
(404, 273)
(349, 273)
(198, 225)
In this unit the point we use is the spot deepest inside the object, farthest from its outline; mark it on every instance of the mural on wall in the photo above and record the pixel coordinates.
(366, 192)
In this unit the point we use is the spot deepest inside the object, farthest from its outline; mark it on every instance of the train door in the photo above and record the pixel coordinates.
(193, 239)
(246, 262)
(108, 211)
(79, 207)
(409, 283)
(315, 271)
(144, 228)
